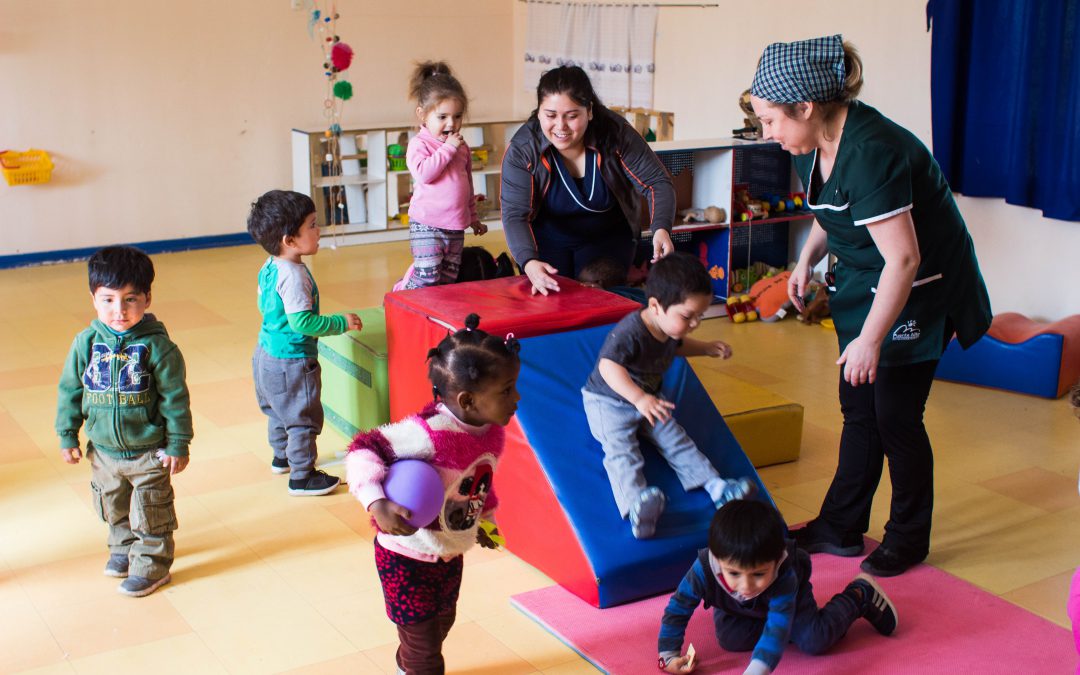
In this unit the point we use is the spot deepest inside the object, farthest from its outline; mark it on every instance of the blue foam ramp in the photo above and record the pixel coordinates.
(1029, 367)
(554, 368)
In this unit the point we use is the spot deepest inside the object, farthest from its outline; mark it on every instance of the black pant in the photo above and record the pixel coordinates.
(885, 419)
(570, 255)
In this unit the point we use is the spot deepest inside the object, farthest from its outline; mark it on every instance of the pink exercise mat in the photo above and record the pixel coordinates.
(946, 626)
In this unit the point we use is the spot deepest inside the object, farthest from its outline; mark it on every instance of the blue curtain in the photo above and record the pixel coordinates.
(1005, 98)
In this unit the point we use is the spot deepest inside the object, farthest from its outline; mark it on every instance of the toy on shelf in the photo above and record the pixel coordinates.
(794, 201)
(747, 208)
(709, 214)
(740, 309)
(395, 155)
(480, 157)
(751, 130)
(743, 278)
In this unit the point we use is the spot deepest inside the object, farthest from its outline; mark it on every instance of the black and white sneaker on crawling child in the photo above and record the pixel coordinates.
(279, 465)
(723, 491)
(646, 512)
(874, 605)
(317, 483)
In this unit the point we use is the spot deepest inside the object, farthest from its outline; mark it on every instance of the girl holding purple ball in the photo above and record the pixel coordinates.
(460, 434)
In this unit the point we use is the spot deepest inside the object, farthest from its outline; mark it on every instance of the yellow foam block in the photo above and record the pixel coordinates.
(767, 426)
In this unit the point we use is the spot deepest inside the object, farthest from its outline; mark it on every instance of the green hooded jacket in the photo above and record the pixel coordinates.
(130, 389)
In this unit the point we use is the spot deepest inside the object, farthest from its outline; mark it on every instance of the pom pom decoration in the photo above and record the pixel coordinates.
(343, 90)
(416, 485)
(341, 55)
(336, 56)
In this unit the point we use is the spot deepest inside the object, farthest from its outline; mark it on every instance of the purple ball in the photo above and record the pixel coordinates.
(416, 485)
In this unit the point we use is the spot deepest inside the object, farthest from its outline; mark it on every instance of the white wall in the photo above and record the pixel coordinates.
(706, 57)
(165, 119)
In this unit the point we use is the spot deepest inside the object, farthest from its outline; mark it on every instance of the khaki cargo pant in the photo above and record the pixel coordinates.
(135, 497)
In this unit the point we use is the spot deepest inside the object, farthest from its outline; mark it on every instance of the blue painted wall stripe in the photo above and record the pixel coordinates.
(159, 246)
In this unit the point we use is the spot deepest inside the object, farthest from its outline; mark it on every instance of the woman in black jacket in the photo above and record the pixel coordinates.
(573, 178)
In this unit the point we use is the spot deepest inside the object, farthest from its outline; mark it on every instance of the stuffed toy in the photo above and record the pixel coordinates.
(770, 297)
(817, 309)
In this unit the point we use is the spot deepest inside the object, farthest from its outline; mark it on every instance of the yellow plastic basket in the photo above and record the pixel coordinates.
(26, 168)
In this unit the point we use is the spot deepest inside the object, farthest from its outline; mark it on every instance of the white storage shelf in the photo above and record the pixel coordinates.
(369, 191)
(708, 173)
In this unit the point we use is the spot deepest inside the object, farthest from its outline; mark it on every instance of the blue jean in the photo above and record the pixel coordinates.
(615, 424)
(289, 394)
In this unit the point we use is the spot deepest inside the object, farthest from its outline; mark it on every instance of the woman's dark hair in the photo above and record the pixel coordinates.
(276, 215)
(604, 272)
(675, 277)
(432, 82)
(467, 358)
(117, 266)
(747, 533)
(573, 82)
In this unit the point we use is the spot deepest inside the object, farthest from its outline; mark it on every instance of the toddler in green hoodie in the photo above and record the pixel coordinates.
(125, 379)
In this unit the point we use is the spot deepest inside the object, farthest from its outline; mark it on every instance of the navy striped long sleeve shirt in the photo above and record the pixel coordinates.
(775, 607)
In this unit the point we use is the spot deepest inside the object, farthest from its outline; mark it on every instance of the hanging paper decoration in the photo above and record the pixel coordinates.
(336, 57)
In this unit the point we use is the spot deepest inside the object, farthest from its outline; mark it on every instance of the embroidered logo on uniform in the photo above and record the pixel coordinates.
(907, 331)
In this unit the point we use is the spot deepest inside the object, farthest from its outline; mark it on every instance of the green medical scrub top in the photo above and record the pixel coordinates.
(882, 170)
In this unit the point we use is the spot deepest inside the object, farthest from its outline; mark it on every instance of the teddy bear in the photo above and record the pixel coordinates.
(817, 308)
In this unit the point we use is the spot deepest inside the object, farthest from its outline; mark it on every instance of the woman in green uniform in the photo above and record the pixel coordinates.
(905, 279)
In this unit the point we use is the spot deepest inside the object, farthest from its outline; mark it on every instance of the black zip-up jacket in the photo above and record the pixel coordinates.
(634, 169)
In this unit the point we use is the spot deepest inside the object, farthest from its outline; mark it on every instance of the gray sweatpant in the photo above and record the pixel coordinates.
(289, 392)
(616, 423)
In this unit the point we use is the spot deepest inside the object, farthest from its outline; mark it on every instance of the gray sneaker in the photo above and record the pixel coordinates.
(646, 511)
(137, 587)
(739, 488)
(117, 565)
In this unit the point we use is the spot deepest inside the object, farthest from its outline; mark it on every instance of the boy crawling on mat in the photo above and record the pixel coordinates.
(758, 584)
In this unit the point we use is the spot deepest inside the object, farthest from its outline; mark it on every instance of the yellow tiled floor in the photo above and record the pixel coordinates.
(268, 583)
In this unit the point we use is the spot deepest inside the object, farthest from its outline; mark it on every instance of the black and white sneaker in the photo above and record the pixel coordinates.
(117, 565)
(876, 606)
(137, 587)
(316, 484)
(279, 465)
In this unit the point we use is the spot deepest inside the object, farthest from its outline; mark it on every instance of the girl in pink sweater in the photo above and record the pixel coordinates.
(442, 204)
(474, 377)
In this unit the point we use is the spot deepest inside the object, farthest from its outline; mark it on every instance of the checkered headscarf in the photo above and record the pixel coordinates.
(797, 72)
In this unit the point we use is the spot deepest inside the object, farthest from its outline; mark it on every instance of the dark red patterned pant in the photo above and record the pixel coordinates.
(421, 598)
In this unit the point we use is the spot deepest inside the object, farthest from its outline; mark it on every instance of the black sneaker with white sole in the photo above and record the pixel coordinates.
(876, 606)
(317, 483)
(279, 465)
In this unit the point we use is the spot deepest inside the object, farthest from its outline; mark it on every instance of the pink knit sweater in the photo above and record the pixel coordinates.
(465, 457)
